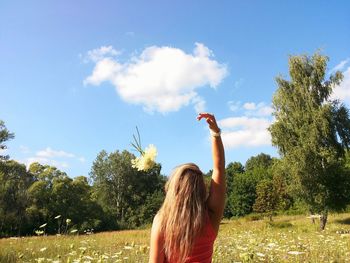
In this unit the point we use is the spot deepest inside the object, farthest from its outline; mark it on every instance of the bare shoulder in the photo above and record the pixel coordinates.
(156, 221)
(156, 226)
(157, 242)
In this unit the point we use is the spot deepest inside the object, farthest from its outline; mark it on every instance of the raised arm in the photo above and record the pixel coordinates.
(217, 194)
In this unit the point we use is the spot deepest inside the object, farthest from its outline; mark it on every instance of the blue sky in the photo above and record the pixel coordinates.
(79, 76)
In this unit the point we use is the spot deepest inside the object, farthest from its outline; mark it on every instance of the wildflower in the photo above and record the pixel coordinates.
(295, 252)
(147, 157)
(127, 247)
(271, 245)
(39, 232)
(43, 249)
(68, 221)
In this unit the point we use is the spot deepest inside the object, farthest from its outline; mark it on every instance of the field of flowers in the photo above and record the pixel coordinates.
(286, 239)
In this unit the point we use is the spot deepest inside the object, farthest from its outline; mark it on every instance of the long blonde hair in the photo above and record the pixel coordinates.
(183, 212)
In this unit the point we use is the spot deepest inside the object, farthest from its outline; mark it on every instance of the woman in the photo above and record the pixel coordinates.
(186, 226)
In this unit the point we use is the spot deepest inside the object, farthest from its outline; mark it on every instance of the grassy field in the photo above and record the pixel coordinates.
(287, 239)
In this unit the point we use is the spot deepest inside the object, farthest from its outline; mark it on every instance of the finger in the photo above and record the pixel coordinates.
(200, 116)
(205, 115)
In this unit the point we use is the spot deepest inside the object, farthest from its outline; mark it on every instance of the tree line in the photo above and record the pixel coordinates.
(43, 199)
(311, 132)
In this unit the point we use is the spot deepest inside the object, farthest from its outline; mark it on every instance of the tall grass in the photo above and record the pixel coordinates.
(286, 239)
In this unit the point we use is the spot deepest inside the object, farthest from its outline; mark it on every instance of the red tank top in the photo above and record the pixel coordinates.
(202, 251)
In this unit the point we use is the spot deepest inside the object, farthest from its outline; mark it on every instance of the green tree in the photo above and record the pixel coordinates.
(232, 169)
(243, 195)
(54, 193)
(121, 190)
(150, 207)
(71, 198)
(262, 160)
(267, 198)
(14, 182)
(242, 189)
(260, 166)
(347, 160)
(5, 135)
(283, 185)
(311, 132)
(41, 207)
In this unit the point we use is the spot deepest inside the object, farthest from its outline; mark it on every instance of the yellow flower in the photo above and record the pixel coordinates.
(147, 160)
(151, 152)
(148, 156)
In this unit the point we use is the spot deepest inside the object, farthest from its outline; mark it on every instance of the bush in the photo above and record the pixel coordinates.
(254, 217)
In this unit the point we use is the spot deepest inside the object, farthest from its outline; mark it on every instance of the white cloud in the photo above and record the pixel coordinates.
(245, 131)
(50, 153)
(162, 79)
(340, 66)
(234, 105)
(98, 54)
(260, 109)
(42, 160)
(249, 129)
(342, 91)
(249, 106)
(263, 110)
(199, 104)
(57, 158)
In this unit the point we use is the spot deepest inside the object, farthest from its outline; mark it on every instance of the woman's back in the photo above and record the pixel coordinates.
(185, 227)
(202, 250)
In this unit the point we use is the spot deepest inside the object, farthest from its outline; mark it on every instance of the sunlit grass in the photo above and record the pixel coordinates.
(287, 239)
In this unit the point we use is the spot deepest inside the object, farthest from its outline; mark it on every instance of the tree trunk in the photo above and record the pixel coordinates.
(312, 218)
(323, 219)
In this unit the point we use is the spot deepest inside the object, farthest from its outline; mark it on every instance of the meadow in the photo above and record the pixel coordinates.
(249, 239)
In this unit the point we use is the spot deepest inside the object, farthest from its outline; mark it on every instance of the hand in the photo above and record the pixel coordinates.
(210, 118)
